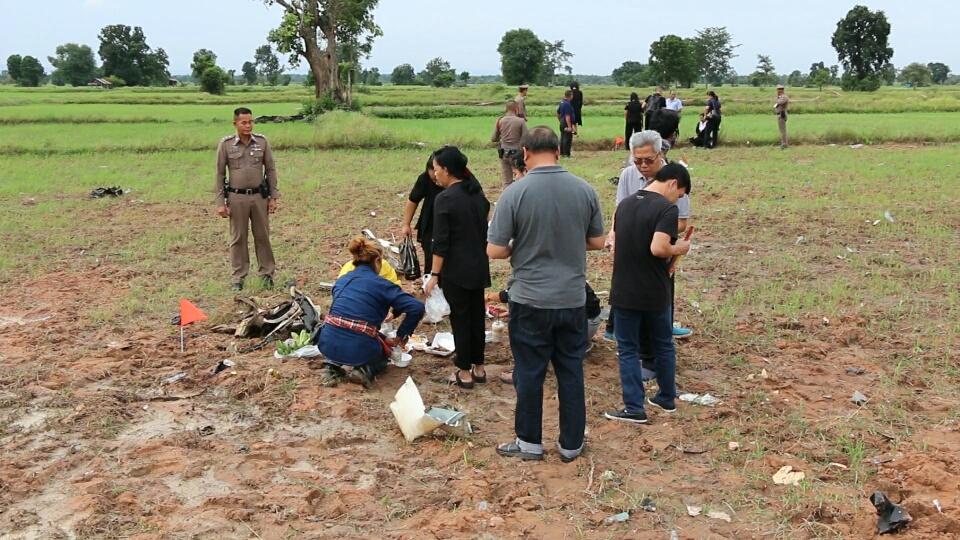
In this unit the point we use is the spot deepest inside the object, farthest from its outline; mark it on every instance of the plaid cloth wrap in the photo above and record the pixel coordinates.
(360, 327)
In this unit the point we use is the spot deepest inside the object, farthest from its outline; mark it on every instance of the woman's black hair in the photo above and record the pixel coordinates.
(574, 85)
(712, 94)
(634, 97)
(455, 162)
(429, 163)
(518, 162)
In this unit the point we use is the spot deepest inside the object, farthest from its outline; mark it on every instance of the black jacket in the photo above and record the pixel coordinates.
(460, 235)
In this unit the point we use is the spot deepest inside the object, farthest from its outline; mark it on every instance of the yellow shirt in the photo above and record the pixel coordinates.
(386, 271)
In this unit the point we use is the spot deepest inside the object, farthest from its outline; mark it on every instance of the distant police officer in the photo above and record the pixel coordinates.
(780, 108)
(521, 100)
(247, 196)
(508, 132)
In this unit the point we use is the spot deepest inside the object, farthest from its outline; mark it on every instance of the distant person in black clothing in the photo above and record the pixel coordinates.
(700, 131)
(568, 126)
(666, 122)
(633, 117)
(714, 116)
(640, 293)
(652, 104)
(577, 102)
(460, 260)
(424, 191)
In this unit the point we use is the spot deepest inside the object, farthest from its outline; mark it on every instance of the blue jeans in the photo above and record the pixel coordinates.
(638, 331)
(539, 337)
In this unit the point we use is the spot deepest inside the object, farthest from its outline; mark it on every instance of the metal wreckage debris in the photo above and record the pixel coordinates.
(294, 315)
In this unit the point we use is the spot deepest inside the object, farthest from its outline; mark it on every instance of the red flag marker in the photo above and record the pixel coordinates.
(189, 314)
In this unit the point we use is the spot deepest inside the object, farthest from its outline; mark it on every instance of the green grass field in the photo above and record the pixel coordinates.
(796, 273)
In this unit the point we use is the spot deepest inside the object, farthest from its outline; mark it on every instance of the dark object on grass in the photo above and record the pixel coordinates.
(206, 430)
(890, 517)
(615, 180)
(279, 119)
(222, 365)
(409, 262)
(102, 192)
(855, 371)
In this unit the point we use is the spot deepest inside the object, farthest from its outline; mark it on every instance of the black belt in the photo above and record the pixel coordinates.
(248, 191)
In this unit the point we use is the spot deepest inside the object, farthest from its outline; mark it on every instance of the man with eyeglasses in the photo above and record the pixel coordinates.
(646, 149)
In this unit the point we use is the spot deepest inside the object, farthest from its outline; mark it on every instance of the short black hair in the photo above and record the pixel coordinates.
(541, 139)
(241, 110)
(674, 171)
(518, 163)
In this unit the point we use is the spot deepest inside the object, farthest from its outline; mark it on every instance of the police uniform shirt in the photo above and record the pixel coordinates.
(509, 131)
(247, 163)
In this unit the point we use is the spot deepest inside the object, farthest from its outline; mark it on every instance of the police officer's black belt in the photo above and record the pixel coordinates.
(248, 191)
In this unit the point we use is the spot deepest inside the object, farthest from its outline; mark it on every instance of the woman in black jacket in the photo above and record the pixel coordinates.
(460, 260)
(577, 102)
(633, 116)
(425, 190)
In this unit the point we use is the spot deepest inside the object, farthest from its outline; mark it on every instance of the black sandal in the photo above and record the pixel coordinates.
(456, 380)
(479, 378)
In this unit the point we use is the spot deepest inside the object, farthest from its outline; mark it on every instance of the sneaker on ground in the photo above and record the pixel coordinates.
(623, 416)
(666, 405)
(680, 332)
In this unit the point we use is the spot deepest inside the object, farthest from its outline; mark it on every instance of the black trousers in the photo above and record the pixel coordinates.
(468, 319)
(426, 242)
(566, 142)
(713, 132)
(630, 129)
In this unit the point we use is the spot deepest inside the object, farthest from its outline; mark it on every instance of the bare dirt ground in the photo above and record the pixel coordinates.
(92, 445)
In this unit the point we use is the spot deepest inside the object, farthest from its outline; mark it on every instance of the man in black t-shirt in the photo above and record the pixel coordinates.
(646, 231)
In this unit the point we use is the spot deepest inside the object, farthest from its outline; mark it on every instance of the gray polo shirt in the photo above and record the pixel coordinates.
(631, 181)
(549, 215)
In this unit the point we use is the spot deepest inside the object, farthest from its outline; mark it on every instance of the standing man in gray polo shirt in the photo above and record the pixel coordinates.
(545, 225)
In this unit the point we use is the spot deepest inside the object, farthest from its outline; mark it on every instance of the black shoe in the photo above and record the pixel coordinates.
(623, 416)
(267, 282)
(361, 375)
(666, 405)
(237, 287)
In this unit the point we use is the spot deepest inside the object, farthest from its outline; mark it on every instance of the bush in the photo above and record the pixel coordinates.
(315, 108)
(213, 80)
(343, 129)
(117, 82)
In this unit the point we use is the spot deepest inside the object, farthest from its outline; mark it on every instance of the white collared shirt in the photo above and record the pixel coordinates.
(674, 104)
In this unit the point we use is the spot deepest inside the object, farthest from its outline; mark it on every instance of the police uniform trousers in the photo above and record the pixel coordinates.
(249, 212)
(506, 166)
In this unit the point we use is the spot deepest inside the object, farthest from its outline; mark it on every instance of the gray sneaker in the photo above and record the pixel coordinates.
(623, 416)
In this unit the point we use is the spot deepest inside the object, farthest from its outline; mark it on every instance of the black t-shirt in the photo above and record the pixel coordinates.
(424, 190)
(634, 111)
(640, 280)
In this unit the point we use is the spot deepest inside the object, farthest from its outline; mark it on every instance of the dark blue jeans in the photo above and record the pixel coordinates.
(539, 337)
(637, 331)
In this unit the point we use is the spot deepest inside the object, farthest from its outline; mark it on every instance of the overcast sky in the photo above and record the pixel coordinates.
(601, 33)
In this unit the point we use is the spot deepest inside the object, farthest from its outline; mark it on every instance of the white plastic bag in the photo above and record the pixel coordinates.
(436, 305)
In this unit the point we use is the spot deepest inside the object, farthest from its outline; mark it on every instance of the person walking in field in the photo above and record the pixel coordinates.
(568, 126)
(508, 133)
(652, 104)
(633, 117)
(640, 293)
(780, 108)
(246, 193)
(714, 115)
(545, 224)
(521, 100)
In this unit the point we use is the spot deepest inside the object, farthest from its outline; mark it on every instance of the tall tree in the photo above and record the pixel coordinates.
(714, 48)
(464, 77)
(311, 30)
(249, 70)
(888, 74)
(74, 64)
(203, 60)
(862, 47)
(438, 73)
(31, 72)
(268, 65)
(915, 74)
(13, 66)
(796, 78)
(555, 59)
(630, 73)
(765, 74)
(521, 56)
(125, 54)
(213, 80)
(939, 71)
(672, 59)
(403, 75)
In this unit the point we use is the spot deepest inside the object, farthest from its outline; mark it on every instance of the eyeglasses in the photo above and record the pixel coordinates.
(646, 161)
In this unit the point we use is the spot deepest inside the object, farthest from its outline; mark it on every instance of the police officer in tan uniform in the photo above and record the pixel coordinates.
(780, 108)
(248, 195)
(521, 100)
(508, 132)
